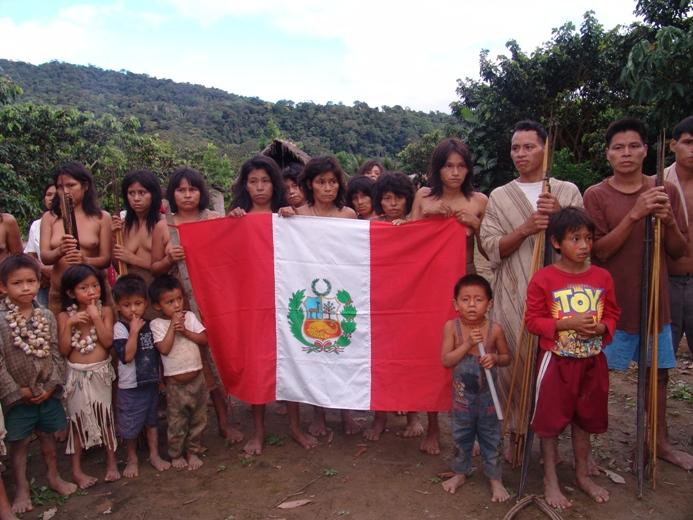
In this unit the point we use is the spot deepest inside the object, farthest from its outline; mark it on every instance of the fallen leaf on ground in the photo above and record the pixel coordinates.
(360, 451)
(50, 513)
(423, 492)
(613, 476)
(291, 504)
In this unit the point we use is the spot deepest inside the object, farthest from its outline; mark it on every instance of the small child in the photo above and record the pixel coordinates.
(138, 373)
(178, 338)
(85, 335)
(31, 378)
(393, 197)
(474, 414)
(572, 307)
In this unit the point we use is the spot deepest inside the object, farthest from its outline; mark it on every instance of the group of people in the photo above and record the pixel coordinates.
(67, 338)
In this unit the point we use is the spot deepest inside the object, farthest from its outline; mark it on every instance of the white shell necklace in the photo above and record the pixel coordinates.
(84, 345)
(32, 334)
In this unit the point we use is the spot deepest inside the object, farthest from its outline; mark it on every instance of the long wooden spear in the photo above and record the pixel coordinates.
(542, 255)
(182, 267)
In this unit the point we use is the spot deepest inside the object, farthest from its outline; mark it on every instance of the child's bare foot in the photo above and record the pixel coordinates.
(351, 427)
(83, 480)
(592, 466)
(303, 439)
(429, 444)
(414, 427)
(317, 427)
(377, 427)
(194, 462)
(498, 491)
(132, 469)
(158, 463)
(230, 433)
(112, 474)
(7, 514)
(597, 493)
(553, 495)
(452, 484)
(179, 463)
(253, 446)
(62, 487)
(678, 458)
(22, 501)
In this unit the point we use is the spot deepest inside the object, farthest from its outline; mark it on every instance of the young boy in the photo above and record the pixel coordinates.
(178, 338)
(572, 307)
(138, 373)
(31, 376)
(474, 415)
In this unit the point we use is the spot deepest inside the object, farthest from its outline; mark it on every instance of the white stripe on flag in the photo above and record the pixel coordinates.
(321, 257)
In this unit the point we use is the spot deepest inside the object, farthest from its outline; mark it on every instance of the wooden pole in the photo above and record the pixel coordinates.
(182, 267)
(119, 238)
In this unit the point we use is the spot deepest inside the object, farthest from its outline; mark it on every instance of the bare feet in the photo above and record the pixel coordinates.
(597, 493)
(553, 495)
(377, 427)
(351, 427)
(194, 462)
(112, 475)
(676, 457)
(7, 514)
(498, 491)
(158, 463)
(452, 484)
(317, 427)
(253, 446)
(62, 487)
(179, 463)
(132, 469)
(303, 439)
(83, 480)
(414, 427)
(429, 444)
(230, 433)
(22, 501)
(592, 466)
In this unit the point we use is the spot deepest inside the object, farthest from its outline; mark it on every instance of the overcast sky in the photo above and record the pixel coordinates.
(407, 53)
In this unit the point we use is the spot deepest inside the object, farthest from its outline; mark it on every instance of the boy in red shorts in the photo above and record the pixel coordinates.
(572, 307)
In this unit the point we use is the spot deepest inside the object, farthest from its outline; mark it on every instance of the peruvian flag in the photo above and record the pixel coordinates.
(334, 312)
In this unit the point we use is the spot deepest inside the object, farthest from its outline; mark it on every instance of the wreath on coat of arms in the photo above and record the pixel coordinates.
(318, 318)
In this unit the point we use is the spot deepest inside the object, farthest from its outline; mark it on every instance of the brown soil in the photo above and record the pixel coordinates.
(389, 478)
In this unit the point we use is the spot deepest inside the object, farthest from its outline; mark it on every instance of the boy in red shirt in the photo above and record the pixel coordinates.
(571, 306)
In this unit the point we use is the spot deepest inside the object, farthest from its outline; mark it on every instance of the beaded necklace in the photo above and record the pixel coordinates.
(84, 345)
(32, 334)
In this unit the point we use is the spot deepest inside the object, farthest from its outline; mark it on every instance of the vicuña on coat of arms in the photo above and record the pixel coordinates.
(329, 321)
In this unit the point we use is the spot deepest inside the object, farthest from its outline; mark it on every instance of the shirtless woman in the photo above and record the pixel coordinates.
(450, 194)
(142, 198)
(323, 184)
(188, 198)
(94, 226)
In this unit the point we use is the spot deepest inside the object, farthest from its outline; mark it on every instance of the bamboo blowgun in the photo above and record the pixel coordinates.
(491, 384)
(119, 239)
(67, 212)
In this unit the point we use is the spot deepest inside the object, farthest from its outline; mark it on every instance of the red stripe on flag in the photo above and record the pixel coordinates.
(414, 268)
(231, 265)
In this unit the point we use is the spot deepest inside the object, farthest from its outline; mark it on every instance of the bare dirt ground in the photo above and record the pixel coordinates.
(386, 479)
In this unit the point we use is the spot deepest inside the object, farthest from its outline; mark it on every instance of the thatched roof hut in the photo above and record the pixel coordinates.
(285, 152)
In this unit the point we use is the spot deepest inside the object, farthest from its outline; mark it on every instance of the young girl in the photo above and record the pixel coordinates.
(85, 335)
(473, 411)
(188, 198)
(322, 182)
(393, 196)
(359, 196)
(259, 189)
(93, 225)
(451, 192)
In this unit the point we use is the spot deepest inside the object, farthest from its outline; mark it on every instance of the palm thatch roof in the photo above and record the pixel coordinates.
(285, 152)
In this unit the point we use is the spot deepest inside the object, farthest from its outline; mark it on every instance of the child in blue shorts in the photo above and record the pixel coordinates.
(31, 376)
(137, 400)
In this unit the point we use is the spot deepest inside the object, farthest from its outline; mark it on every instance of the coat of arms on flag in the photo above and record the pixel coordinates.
(329, 321)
